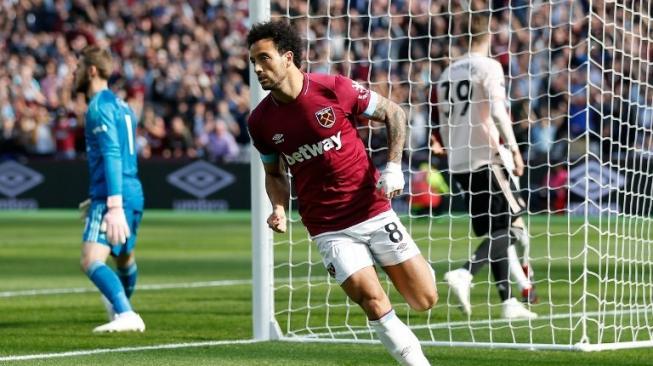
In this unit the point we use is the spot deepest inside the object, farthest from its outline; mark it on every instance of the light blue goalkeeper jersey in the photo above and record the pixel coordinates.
(110, 138)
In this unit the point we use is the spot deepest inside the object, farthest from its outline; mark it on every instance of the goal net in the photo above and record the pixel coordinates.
(580, 98)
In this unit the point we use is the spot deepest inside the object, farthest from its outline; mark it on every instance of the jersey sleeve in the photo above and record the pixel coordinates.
(495, 84)
(108, 138)
(496, 90)
(268, 154)
(435, 113)
(354, 98)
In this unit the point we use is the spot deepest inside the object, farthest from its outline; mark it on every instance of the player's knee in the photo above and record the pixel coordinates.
(374, 306)
(125, 261)
(424, 301)
(84, 264)
(432, 298)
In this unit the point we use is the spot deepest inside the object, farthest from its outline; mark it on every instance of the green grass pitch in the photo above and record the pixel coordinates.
(40, 251)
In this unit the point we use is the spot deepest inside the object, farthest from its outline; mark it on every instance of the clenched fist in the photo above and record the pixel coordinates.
(277, 220)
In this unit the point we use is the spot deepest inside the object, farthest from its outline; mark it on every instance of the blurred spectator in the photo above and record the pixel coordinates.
(188, 60)
(44, 143)
(557, 183)
(142, 144)
(169, 57)
(155, 133)
(64, 131)
(199, 114)
(10, 144)
(543, 134)
(179, 140)
(218, 143)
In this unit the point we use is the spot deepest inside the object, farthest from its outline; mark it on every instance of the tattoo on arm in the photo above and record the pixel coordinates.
(395, 121)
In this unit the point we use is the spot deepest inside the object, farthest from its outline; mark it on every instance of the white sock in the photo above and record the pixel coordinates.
(399, 340)
(516, 269)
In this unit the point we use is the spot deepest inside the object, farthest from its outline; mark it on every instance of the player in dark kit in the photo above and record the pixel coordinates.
(473, 123)
(307, 121)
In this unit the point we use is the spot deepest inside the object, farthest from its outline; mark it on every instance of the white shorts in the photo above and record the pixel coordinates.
(381, 239)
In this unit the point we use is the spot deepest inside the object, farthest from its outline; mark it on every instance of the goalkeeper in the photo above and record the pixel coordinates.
(116, 205)
(307, 122)
(471, 100)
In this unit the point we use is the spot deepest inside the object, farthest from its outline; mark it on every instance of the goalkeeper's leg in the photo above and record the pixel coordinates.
(522, 272)
(126, 260)
(127, 272)
(95, 251)
(105, 279)
(505, 200)
(364, 288)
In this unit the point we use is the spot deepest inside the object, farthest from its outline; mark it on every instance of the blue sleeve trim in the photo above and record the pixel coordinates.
(269, 158)
(371, 107)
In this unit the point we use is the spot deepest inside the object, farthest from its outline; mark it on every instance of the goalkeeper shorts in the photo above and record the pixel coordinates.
(491, 198)
(382, 240)
(93, 234)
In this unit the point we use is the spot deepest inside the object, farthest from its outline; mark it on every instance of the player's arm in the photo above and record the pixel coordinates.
(278, 190)
(114, 221)
(499, 113)
(393, 116)
(357, 100)
(276, 182)
(435, 144)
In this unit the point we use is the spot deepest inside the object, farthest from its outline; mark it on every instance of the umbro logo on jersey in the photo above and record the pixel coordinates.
(326, 117)
(309, 151)
(278, 138)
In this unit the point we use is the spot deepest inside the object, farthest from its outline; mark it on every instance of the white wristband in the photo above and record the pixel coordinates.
(393, 167)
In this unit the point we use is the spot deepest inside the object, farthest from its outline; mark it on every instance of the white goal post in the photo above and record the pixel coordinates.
(580, 93)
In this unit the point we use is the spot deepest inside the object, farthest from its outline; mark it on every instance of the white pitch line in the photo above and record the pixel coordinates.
(42, 356)
(163, 286)
(81, 290)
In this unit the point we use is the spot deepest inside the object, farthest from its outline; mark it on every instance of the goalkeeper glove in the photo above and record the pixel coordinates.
(391, 182)
(114, 222)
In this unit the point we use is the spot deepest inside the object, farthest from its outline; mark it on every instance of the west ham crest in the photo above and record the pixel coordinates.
(326, 117)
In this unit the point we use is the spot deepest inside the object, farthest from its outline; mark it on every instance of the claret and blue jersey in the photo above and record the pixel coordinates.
(316, 136)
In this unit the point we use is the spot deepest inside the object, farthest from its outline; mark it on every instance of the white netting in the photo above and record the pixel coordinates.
(578, 83)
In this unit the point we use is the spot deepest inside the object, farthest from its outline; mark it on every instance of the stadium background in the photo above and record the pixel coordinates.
(183, 67)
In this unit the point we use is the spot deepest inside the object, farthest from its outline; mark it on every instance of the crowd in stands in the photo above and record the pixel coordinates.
(183, 67)
(571, 91)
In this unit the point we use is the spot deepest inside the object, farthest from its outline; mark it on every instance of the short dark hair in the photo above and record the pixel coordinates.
(282, 34)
